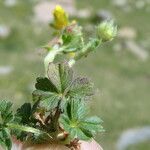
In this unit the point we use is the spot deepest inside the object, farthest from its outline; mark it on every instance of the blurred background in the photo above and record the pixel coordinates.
(120, 69)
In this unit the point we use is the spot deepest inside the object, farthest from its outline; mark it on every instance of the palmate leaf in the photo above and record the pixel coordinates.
(76, 122)
(60, 85)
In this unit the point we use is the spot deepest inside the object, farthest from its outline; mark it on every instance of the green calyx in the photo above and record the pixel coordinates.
(106, 31)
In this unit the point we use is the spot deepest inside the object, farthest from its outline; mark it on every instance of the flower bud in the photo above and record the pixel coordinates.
(106, 31)
(60, 18)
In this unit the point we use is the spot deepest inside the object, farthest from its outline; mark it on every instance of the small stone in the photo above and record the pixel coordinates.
(127, 33)
(148, 2)
(83, 13)
(120, 3)
(5, 70)
(4, 31)
(140, 4)
(10, 3)
(139, 51)
(132, 137)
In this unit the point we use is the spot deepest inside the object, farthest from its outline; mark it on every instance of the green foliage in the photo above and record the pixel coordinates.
(59, 104)
(60, 85)
(60, 75)
(11, 123)
(22, 117)
(6, 117)
(72, 38)
(5, 111)
(47, 100)
(76, 122)
(24, 113)
(80, 88)
(5, 138)
(45, 84)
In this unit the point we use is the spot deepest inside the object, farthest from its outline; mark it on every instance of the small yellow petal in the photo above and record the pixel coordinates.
(60, 17)
(71, 54)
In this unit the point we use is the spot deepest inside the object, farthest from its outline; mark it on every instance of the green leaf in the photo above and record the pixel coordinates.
(45, 84)
(24, 113)
(8, 142)
(76, 122)
(93, 124)
(52, 89)
(6, 116)
(48, 100)
(81, 88)
(5, 111)
(76, 109)
(60, 75)
(5, 138)
(60, 85)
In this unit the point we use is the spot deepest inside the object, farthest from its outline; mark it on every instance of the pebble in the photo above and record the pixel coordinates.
(120, 3)
(10, 3)
(127, 33)
(4, 31)
(140, 4)
(83, 14)
(139, 51)
(132, 137)
(5, 70)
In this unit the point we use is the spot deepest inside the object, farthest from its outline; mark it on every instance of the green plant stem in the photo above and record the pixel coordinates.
(91, 46)
(50, 57)
(55, 124)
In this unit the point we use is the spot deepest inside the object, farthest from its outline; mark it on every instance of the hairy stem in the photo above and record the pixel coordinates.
(50, 57)
(55, 123)
(91, 46)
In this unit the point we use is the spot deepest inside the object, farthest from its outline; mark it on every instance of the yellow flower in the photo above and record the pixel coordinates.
(71, 54)
(60, 18)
